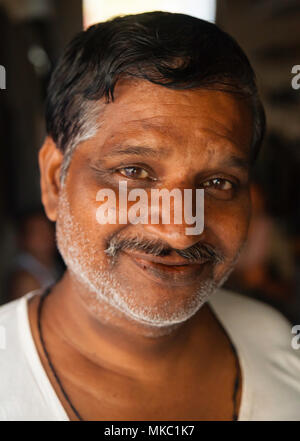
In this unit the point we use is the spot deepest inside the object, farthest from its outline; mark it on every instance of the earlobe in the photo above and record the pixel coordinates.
(50, 161)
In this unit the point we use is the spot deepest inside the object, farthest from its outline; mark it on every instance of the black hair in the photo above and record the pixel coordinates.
(173, 50)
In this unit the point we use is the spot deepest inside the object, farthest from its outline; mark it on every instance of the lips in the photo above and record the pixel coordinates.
(169, 269)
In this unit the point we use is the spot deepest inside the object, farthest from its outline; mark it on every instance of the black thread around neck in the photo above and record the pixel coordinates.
(46, 292)
(42, 299)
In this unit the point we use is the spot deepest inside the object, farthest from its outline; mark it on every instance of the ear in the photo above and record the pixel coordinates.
(50, 161)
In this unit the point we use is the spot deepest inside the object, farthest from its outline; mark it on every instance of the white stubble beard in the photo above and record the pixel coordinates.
(80, 256)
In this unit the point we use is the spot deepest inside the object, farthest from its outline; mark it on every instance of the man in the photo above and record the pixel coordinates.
(137, 328)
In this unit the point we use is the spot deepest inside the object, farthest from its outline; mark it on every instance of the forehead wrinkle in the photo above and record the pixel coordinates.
(200, 135)
(220, 130)
(215, 139)
(227, 133)
(136, 150)
(237, 162)
(130, 118)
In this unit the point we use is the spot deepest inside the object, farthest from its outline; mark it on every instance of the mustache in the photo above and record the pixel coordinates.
(197, 252)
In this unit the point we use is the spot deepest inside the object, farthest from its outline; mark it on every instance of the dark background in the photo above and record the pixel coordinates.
(268, 31)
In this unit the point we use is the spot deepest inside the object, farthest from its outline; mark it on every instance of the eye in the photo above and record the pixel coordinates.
(219, 184)
(134, 172)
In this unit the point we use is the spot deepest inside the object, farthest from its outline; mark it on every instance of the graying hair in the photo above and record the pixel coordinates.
(87, 126)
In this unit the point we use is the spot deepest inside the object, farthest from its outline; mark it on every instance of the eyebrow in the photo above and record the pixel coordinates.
(136, 151)
(146, 151)
(237, 162)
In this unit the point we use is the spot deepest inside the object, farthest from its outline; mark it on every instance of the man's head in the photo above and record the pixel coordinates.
(161, 101)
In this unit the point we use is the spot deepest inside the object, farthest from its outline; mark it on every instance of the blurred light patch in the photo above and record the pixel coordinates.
(95, 11)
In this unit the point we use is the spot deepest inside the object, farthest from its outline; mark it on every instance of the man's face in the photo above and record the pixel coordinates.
(154, 137)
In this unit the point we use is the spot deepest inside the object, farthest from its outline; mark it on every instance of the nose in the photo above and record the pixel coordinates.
(177, 220)
(173, 235)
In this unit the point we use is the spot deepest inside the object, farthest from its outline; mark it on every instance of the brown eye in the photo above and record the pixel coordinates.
(219, 184)
(134, 172)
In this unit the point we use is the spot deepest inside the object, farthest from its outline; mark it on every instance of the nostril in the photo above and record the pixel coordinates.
(174, 235)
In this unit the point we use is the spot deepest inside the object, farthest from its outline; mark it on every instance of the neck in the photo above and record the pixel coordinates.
(110, 340)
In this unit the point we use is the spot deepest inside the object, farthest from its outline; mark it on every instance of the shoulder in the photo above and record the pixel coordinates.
(13, 333)
(12, 362)
(270, 365)
(20, 396)
(13, 311)
(9, 314)
(26, 393)
(249, 318)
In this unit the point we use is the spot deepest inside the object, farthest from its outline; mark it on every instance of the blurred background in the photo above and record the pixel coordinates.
(33, 34)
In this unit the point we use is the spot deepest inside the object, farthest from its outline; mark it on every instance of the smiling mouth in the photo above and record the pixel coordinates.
(173, 270)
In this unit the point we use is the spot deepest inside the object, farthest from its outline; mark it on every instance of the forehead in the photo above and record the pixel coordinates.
(193, 117)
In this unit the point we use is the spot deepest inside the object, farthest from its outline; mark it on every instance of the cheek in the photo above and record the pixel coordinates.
(228, 223)
(82, 193)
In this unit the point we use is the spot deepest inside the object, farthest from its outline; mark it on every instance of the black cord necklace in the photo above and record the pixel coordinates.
(236, 384)
(43, 296)
(39, 317)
